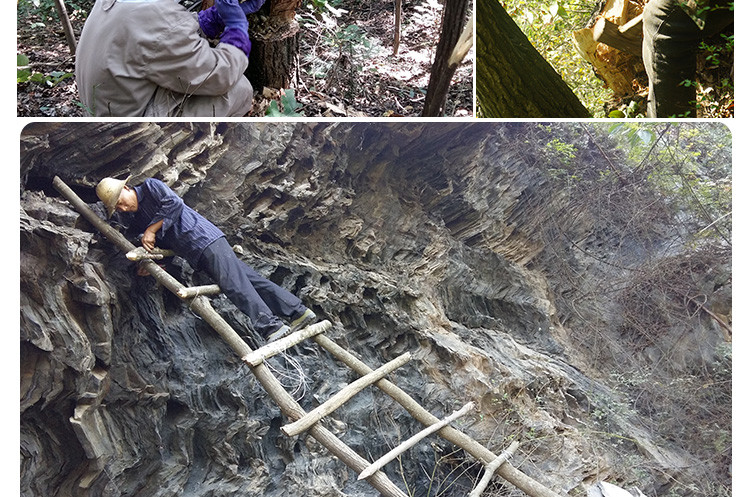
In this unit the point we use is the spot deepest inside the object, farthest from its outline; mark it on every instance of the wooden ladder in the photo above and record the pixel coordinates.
(302, 421)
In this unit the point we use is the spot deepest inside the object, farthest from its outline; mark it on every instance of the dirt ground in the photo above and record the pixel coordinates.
(346, 65)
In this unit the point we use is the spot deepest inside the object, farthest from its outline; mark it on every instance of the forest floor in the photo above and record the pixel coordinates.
(346, 64)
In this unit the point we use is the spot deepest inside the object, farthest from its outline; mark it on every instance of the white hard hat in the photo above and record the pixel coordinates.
(108, 190)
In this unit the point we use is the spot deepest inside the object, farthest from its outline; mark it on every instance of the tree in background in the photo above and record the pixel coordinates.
(444, 66)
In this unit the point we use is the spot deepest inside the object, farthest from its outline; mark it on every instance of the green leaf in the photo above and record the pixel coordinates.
(290, 103)
(617, 114)
(273, 110)
(56, 76)
(22, 60)
(23, 75)
(646, 136)
(38, 77)
(557, 9)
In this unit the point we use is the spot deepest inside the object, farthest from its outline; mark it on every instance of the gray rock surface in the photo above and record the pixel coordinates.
(419, 237)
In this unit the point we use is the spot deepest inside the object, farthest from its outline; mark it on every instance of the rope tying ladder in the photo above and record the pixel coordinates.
(301, 421)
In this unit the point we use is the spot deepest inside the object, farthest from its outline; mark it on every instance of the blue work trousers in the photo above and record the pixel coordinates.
(262, 300)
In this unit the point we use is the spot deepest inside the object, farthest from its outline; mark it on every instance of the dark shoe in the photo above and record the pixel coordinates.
(307, 318)
(280, 333)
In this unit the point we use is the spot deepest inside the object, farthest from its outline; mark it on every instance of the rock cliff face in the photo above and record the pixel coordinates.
(418, 237)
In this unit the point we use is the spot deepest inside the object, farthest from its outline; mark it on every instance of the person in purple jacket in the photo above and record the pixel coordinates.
(154, 210)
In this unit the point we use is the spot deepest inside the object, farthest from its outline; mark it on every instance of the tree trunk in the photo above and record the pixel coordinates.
(70, 36)
(442, 70)
(273, 33)
(513, 79)
(612, 45)
(397, 27)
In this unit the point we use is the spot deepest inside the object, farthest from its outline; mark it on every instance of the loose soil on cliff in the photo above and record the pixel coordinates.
(346, 62)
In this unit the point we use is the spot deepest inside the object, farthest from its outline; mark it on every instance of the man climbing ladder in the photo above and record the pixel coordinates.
(291, 408)
(155, 211)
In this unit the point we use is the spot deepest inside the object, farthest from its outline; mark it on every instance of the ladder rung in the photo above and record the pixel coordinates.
(411, 442)
(258, 356)
(194, 291)
(341, 397)
(140, 253)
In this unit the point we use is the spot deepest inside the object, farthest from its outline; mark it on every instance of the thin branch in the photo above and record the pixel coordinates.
(612, 166)
(489, 469)
(650, 150)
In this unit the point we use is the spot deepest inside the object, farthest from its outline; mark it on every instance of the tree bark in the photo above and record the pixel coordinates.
(513, 79)
(273, 34)
(273, 58)
(442, 69)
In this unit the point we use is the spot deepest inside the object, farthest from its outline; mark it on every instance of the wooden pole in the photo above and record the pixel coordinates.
(411, 442)
(344, 395)
(194, 291)
(141, 253)
(271, 349)
(201, 306)
(490, 469)
(397, 28)
(514, 476)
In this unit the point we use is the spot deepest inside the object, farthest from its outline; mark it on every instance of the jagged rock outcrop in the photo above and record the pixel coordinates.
(409, 237)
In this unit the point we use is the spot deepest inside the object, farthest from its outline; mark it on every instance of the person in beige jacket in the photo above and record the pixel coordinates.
(153, 58)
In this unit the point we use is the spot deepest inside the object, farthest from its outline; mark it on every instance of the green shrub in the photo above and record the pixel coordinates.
(289, 106)
(26, 75)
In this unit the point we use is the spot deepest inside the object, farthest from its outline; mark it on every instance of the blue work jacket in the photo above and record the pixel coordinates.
(184, 230)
